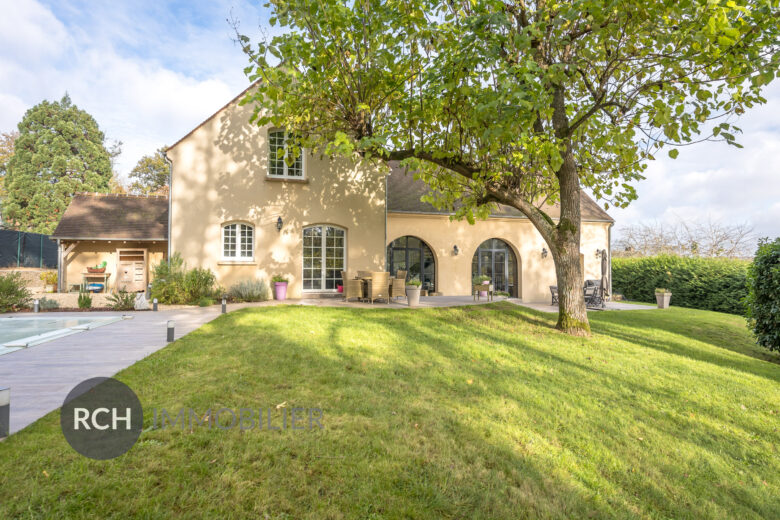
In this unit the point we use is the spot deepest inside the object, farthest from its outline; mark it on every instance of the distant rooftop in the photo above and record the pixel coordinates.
(404, 192)
(106, 216)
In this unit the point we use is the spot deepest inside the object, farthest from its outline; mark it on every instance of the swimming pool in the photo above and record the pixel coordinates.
(17, 332)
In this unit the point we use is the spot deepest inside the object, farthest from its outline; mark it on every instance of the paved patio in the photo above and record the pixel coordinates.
(41, 376)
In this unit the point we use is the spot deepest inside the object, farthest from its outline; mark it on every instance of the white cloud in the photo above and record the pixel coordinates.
(716, 181)
(146, 74)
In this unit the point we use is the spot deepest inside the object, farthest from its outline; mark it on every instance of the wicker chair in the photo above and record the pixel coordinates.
(378, 286)
(398, 285)
(352, 288)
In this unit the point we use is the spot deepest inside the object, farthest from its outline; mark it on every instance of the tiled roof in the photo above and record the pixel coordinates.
(110, 216)
(404, 192)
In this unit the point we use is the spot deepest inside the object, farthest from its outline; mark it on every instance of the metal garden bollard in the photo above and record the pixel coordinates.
(154, 305)
(5, 412)
(171, 325)
(36, 306)
(224, 305)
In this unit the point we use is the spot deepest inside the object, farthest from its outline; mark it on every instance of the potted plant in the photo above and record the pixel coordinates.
(100, 268)
(482, 280)
(49, 279)
(280, 287)
(413, 292)
(662, 297)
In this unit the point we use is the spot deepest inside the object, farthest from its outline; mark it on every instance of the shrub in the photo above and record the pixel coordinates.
(763, 299)
(49, 277)
(122, 301)
(249, 290)
(715, 284)
(47, 304)
(174, 284)
(278, 278)
(14, 294)
(482, 278)
(85, 300)
(198, 284)
(414, 282)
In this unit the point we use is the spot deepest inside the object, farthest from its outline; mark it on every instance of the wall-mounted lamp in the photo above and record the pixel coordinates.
(598, 253)
(279, 224)
(544, 252)
(455, 250)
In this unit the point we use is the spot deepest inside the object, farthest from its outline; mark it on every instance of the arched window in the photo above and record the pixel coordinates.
(324, 249)
(238, 241)
(280, 161)
(414, 256)
(494, 258)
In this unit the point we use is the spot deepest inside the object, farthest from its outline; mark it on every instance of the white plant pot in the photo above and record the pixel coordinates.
(413, 295)
(663, 300)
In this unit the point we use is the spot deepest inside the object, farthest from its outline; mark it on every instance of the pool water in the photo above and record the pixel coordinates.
(21, 332)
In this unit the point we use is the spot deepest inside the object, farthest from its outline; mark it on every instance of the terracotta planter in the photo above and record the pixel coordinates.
(96, 271)
(413, 295)
(280, 290)
(663, 300)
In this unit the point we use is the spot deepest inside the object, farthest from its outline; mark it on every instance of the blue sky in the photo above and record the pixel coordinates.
(150, 71)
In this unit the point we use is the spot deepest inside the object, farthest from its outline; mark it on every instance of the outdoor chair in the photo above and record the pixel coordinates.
(478, 288)
(398, 285)
(592, 295)
(554, 293)
(377, 287)
(352, 288)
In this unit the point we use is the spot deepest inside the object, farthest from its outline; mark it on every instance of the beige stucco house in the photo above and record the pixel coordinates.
(237, 208)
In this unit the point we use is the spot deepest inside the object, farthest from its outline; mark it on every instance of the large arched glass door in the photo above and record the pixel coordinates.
(323, 257)
(494, 258)
(413, 255)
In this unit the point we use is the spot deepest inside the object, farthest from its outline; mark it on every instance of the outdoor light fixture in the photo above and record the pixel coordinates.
(171, 328)
(279, 224)
(598, 253)
(455, 250)
(544, 252)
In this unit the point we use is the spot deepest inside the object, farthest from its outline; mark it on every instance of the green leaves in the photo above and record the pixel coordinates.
(60, 150)
(470, 87)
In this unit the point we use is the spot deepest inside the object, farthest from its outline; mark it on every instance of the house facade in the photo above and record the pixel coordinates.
(238, 208)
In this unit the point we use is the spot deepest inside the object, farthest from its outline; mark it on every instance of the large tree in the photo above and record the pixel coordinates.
(60, 151)
(518, 103)
(7, 140)
(151, 174)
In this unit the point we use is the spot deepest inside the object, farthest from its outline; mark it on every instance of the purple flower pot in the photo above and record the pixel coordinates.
(280, 290)
(484, 293)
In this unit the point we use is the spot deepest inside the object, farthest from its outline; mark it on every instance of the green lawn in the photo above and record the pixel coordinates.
(470, 412)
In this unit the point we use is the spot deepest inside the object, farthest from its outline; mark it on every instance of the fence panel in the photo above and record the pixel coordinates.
(21, 249)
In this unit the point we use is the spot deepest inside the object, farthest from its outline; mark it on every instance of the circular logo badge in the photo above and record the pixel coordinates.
(101, 418)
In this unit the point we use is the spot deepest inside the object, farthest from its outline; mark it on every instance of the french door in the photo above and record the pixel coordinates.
(496, 260)
(324, 251)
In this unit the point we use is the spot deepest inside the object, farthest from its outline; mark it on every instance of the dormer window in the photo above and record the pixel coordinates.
(280, 162)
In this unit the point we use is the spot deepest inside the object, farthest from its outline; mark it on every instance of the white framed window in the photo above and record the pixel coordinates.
(324, 257)
(279, 155)
(238, 242)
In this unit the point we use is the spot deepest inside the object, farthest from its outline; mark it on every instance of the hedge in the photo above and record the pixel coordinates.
(763, 302)
(714, 284)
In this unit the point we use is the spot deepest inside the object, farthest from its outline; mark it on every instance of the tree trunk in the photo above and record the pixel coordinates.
(572, 313)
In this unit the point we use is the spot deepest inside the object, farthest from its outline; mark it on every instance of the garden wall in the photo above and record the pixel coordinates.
(715, 284)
